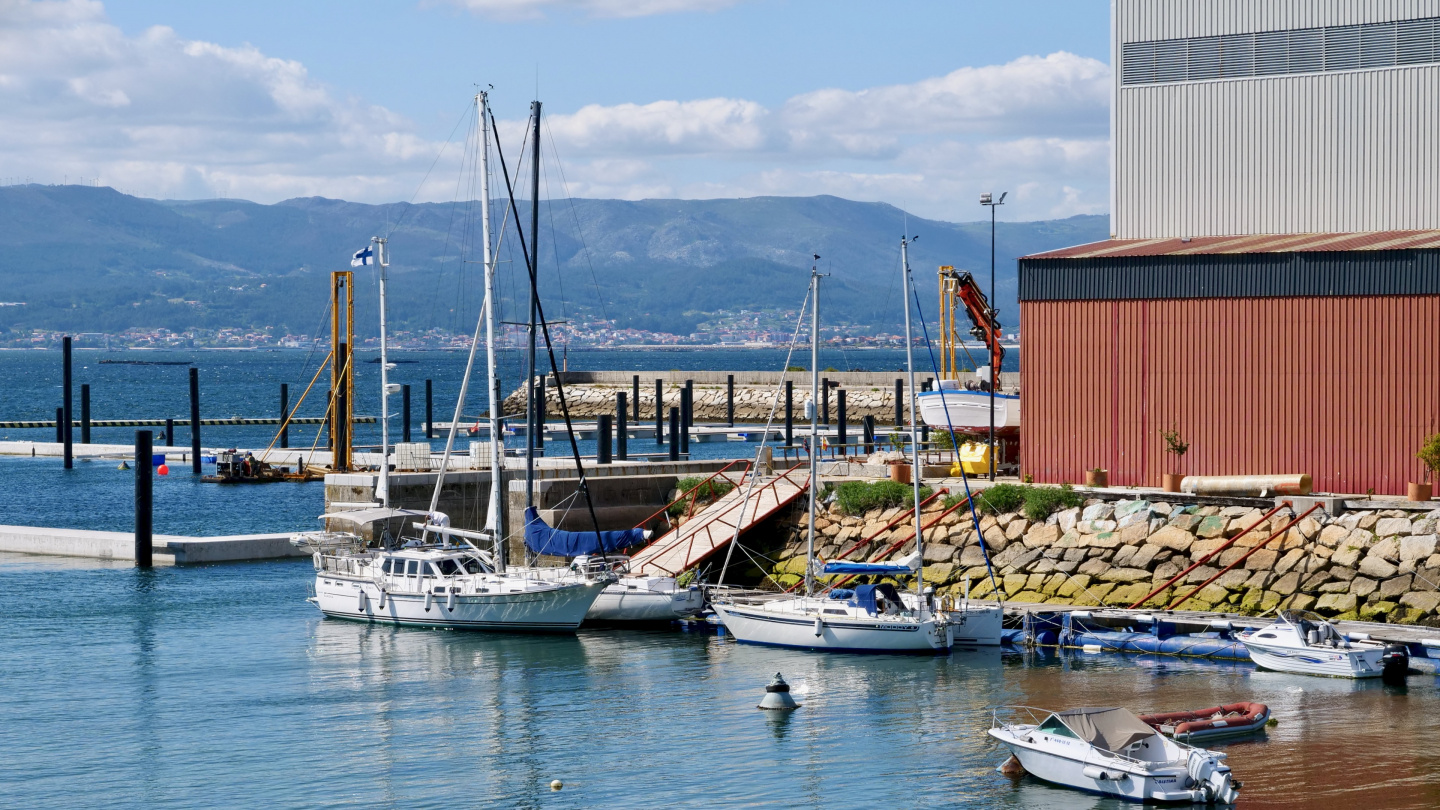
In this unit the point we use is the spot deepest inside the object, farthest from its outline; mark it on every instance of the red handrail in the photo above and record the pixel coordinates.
(690, 491)
(1228, 543)
(1243, 557)
(897, 544)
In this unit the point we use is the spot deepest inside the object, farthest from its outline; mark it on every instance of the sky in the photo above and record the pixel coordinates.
(920, 104)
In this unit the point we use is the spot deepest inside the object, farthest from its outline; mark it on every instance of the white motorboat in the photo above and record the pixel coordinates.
(1110, 751)
(1302, 642)
(967, 410)
(638, 597)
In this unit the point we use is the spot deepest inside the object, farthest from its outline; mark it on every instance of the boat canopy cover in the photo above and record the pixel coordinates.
(842, 593)
(1113, 730)
(541, 539)
(865, 597)
(841, 567)
(364, 517)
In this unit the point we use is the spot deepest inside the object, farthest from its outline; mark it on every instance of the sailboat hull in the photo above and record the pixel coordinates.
(622, 603)
(757, 625)
(554, 610)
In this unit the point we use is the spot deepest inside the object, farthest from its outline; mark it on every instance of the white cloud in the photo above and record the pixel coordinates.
(159, 115)
(534, 9)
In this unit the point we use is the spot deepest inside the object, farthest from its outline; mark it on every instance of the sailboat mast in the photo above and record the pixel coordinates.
(814, 427)
(495, 521)
(382, 490)
(914, 430)
(532, 422)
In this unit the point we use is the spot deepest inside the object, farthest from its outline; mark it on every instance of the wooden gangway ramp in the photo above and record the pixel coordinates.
(711, 528)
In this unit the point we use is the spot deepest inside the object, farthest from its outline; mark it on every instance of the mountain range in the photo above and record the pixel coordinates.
(88, 258)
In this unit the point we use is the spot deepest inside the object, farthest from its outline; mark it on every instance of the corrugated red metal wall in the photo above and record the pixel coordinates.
(1344, 389)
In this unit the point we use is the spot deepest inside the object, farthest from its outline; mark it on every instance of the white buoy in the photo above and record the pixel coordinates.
(556, 784)
(777, 696)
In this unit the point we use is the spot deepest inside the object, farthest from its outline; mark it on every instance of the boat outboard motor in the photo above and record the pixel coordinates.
(1213, 776)
(1395, 664)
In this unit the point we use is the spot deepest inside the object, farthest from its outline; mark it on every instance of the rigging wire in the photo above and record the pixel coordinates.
(579, 231)
(410, 206)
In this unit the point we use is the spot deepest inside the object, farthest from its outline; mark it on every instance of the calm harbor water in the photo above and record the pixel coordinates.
(221, 687)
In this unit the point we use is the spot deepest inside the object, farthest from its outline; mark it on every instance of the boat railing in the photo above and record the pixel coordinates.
(346, 564)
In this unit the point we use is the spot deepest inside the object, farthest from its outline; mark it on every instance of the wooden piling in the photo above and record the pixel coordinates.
(195, 466)
(144, 513)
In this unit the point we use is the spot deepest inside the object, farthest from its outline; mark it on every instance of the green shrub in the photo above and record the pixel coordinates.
(708, 491)
(1001, 498)
(1041, 502)
(859, 497)
(1429, 454)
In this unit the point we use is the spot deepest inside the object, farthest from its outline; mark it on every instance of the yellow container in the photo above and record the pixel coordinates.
(975, 458)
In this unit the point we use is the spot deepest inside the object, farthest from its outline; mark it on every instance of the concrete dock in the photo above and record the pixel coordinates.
(167, 548)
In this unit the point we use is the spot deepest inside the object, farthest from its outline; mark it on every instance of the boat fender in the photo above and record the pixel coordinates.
(947, 603)
(1100, 774)
(382, 598)
(429, 600)
(819, 626)
(450, 601)
(362, 606)
(318, 565)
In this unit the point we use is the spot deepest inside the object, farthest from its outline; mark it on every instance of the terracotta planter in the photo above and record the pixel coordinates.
(1418, 491)
(1172, 482)
(1097, 479)
(900, 472)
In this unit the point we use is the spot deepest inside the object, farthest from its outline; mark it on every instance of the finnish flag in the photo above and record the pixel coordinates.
(364, 256)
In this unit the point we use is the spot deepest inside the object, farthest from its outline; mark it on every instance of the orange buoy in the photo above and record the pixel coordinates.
(163, 469)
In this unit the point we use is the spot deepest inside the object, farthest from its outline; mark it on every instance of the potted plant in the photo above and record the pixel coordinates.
(1429, 455)
(1175, 446)
(1097, 478)
(899, 468)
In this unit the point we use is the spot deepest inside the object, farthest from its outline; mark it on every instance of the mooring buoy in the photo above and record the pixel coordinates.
(777, 696)
(556, 784)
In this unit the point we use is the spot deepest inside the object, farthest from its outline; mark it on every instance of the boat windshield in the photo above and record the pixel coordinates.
(1052, 725)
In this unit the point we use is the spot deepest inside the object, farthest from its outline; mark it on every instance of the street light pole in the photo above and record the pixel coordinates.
(994, 323)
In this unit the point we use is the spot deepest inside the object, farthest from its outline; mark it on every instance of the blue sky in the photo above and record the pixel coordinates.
(921, 104)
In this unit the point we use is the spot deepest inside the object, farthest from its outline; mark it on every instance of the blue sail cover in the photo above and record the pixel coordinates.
(866, 568)
(541, 539)
(865, 596)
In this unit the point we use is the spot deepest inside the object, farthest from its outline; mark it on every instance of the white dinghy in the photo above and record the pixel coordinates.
(1305, 643)
(1112, 752)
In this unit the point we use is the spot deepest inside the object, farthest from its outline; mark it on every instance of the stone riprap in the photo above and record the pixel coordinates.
(752, 404)
(1371, 565)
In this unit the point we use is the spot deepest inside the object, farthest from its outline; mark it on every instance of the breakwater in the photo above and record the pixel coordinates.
(756, 393)
(1376, 565)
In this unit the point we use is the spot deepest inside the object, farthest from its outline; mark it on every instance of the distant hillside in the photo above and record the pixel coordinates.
(92, 259)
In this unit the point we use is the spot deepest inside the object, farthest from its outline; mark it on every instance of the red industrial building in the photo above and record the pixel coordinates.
(1271, 290)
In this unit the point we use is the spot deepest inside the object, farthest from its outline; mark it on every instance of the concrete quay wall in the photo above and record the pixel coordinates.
(105, 545)
(1376, 565)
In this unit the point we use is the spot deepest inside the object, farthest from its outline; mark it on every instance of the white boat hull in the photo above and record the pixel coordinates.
(759, 625)
(976, 625)
(620, 602)
(1076, 772)
(556, 610)
(968, 410)
(1361, 662)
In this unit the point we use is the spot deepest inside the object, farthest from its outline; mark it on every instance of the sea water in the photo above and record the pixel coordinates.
(220, 686)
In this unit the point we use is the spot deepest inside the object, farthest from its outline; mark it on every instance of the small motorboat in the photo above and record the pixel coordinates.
(1112, 752)
(1305, 643)
(1230, 720)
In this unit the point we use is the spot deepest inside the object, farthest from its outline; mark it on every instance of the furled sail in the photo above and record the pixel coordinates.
(542, 539)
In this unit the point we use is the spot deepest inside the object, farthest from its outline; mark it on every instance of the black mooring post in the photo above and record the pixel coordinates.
(284, 414)
(622, 431)
(840, 422)
(68, 434)
(730, 399)
(169, 432)
(60, 425)
(429, 410)
(405, 413)
(144, 514)
(659, 411)
(539, 444)
(674, 434)
(868, 431)
(789, 413)
(825, 401)
(685, 417)
(899, 402)
(195, 420)
(635, 397)
(687, 411)
(602, 439)
(924, 433)
(85, 414)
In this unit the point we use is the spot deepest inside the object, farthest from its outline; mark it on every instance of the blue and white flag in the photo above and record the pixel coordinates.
(364, 256)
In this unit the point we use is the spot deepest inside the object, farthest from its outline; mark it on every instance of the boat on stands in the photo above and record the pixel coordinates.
(1230, 720)
(1304, 643)
(953, 407)
(1112, 752)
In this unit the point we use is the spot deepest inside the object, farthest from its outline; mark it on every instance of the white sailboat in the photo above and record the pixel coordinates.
(446, 581)
(868, 618)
